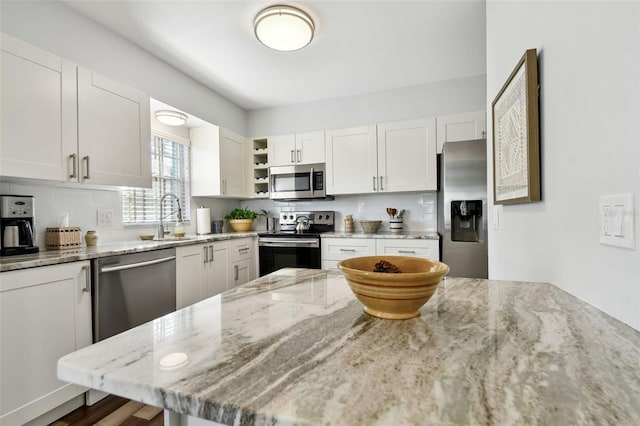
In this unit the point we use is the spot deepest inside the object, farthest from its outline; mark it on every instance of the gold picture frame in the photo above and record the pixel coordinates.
(516, 144)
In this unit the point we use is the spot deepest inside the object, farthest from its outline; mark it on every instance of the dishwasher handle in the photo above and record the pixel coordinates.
(136, 265)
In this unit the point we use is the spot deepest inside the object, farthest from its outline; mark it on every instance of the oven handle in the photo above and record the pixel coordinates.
(136, 265)
(293, 242)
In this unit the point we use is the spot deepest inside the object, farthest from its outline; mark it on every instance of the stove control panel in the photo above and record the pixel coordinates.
(324, 218)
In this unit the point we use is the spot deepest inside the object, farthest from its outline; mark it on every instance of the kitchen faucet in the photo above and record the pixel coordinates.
(161, 227)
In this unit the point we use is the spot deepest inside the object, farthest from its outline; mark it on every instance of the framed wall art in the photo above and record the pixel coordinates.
(516, 145)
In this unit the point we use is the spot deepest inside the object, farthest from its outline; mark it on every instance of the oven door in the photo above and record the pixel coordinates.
(277, 252)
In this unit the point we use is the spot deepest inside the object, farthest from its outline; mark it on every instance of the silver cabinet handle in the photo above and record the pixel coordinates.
(381, 188)
(293, 160)
(374, 183)
(407, 251)
(210, 253)
(243, 250)
(206, 255)
(299, 152)
(74, 173)
(349, 250)
(87, 277)
(136, 265)
(235, 268)
(88, 174)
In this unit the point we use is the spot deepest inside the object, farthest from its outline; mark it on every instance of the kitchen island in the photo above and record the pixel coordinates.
(295, 347)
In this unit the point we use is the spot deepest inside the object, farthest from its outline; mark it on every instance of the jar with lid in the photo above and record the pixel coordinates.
(91, 238)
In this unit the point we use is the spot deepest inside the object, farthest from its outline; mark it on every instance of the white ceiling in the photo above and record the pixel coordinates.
(359, 47)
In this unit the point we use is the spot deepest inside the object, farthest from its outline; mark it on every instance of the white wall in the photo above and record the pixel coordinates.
(56, 28)
(445, 97)
(589, 67)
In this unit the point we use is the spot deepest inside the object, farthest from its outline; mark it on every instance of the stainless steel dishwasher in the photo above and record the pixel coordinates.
(132, 289)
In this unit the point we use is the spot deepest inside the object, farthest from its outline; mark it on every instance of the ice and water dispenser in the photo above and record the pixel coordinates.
(466, 221)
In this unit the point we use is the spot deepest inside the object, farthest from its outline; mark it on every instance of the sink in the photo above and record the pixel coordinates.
(173, 238)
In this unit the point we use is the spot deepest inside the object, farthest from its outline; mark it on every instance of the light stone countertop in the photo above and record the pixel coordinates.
(53, 257)
(418, 235)
(295, 347)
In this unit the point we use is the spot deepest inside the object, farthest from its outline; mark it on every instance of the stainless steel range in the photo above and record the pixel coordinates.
(297, 243)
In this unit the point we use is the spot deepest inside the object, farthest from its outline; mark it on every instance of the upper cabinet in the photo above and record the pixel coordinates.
(39, 113)
(390, 157)
(461, 127)
(301, 148)
(114, 133)
(63, 123)
(217, 163)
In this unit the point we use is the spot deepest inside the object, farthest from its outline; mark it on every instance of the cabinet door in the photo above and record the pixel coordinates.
(417, 248)
(461, 127)
(351, 160)
(114, 133)
(45, 313)
(407, 156)
(205, 161)
(218, 276)
(282, 150)
(38, 128)
(336, 249)
(191, 263)
(232, 164)
(241, 271)
(310, 147)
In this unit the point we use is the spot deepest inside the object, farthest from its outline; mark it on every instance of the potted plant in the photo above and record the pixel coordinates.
(241, 220)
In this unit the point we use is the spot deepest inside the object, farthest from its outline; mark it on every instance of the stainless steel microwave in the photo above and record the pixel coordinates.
(302, 181)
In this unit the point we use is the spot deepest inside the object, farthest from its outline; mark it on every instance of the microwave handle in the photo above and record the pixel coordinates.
(311, 181)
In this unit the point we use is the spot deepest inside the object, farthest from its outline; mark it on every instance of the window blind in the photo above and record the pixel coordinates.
(169, 174)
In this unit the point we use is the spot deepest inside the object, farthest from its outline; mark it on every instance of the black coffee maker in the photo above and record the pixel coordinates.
(17, 225)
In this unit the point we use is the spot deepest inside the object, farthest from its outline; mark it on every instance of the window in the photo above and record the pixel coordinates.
(170, 174)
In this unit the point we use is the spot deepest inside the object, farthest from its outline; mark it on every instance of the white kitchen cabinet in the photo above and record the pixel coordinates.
(45, 313)
(352, 160)
(390, 157)
(242, 265)
(39, 112)
(201, 272)
(461, 127)
(337, 249)
(301, 148)
(407, 156)
(334, 250)
(61, 122)
(217, 163)
(114, 133)
(428, 249)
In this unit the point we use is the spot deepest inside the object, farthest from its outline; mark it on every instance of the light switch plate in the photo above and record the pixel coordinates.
(105, 217)
(617, 220)
(496, 217)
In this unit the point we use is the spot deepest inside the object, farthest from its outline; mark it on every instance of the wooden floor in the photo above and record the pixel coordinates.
(112, 411)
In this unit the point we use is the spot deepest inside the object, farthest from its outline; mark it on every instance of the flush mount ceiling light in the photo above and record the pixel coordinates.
(283, 28)
(171, 118)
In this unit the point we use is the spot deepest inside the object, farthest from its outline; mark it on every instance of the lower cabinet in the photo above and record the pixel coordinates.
(337, 249)
(45, 313)
(204, 270)
(201, 272)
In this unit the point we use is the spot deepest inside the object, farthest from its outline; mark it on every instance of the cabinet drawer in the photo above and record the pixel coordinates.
(344, 248)
(241, 249)
(418, 248)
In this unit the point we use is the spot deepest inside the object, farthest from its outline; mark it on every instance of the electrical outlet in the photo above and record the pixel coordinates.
(616, 220)
(105, 217)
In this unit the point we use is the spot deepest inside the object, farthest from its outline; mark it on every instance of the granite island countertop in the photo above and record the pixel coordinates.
(295, 347)
(53, 257)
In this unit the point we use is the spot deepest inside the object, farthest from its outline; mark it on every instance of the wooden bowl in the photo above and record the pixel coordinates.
(147, 237)
(393, 295)
(241, 225)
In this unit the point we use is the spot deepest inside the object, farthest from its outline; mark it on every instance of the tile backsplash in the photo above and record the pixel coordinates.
(82, 205)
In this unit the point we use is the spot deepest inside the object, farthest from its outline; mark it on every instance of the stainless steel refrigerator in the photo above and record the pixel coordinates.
(462, 208)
